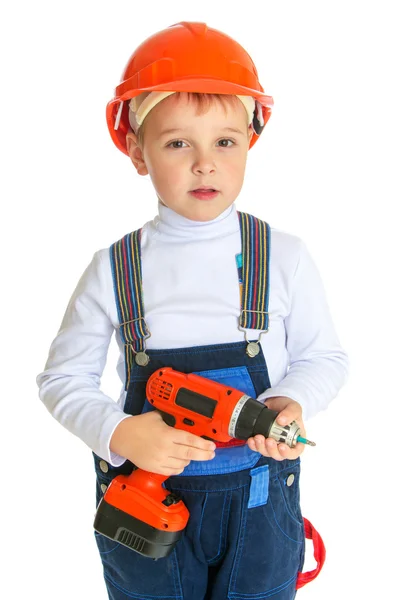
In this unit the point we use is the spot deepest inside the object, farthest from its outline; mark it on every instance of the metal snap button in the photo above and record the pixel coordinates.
(142, 359)
(290, 480)
(103, 488)
(103, 466)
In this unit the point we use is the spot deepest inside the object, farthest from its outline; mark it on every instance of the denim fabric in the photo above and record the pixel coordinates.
(227, 549)
(242, 541)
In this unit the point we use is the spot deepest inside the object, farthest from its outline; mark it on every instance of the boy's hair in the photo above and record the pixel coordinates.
(203, 103)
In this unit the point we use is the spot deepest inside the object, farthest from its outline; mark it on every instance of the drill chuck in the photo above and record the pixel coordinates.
(287, 434)
(250, 417)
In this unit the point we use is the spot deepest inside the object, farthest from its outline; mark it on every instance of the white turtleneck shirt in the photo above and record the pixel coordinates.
(191, 298)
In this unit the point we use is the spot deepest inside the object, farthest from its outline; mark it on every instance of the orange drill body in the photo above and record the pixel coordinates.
(198, 405)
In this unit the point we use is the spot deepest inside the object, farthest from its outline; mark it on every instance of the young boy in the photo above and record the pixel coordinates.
(192, 290)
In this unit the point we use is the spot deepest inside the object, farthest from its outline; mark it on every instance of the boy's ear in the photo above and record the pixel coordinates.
(135, 153)
(250, 132)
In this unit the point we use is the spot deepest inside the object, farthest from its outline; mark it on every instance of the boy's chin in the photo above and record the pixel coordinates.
(201, 211)
(204, 213)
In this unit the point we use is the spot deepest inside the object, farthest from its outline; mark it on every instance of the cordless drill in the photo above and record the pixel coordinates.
(136, 510)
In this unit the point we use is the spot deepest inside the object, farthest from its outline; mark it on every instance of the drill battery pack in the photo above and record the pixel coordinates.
(146, 522)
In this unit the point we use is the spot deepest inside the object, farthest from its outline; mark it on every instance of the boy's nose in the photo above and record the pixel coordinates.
(204, 164)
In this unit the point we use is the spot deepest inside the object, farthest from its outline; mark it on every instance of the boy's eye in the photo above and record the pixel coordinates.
(227, 145)
(175, 144)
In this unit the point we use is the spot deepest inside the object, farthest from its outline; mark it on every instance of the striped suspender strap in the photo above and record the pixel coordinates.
(126, 267)
(254, 272)
(253, 267)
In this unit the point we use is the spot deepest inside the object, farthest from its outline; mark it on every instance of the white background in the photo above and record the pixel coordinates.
(328, 168)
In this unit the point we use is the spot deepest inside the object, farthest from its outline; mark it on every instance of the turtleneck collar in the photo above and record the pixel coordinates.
(170, 224)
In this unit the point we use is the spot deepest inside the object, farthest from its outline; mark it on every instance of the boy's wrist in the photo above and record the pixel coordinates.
(119, 438)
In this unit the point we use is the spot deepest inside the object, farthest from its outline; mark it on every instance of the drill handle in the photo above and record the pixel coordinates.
(146, 483)
(145, 479)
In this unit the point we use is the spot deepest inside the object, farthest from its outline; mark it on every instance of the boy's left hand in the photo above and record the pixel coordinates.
(289, 410)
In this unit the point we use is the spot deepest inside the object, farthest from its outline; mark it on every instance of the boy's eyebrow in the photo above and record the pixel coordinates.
(233, 129)
(175, 130)
(166, 131)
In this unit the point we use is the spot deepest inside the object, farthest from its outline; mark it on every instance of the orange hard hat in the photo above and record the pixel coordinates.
(187, 57)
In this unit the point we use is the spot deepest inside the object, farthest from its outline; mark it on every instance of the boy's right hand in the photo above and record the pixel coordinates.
(152, 445)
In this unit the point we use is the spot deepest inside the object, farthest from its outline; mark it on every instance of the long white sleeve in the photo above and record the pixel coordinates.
(318, 366)
(69, 386)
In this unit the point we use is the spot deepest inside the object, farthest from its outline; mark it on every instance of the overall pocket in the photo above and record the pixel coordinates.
(284, 499)
(270, 542)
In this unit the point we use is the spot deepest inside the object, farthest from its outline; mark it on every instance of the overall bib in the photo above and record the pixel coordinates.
(245, 536)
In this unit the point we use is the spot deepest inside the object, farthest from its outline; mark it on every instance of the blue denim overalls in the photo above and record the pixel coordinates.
(245, 536)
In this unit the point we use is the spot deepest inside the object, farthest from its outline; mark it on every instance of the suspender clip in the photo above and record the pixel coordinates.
(143, 327)
(253, 348)
(141, 358)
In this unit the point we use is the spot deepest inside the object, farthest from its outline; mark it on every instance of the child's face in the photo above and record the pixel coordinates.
(201, 151)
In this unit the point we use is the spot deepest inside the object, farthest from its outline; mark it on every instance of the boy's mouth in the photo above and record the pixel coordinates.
(204, 193)
(204, 188)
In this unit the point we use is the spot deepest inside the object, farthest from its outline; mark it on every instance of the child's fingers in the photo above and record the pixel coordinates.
(290, 453)
(269, 447)
(251, 444)
(175, 466)
(188, 453)
(265, 446)
(272, 449)
(292, 412)
(185, 438)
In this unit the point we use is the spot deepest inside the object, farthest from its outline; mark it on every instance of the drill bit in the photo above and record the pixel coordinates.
(304, 441)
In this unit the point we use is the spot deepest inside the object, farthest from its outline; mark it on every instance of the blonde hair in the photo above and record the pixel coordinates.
(203, 103)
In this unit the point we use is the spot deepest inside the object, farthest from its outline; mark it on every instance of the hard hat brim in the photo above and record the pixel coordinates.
(125, 91)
